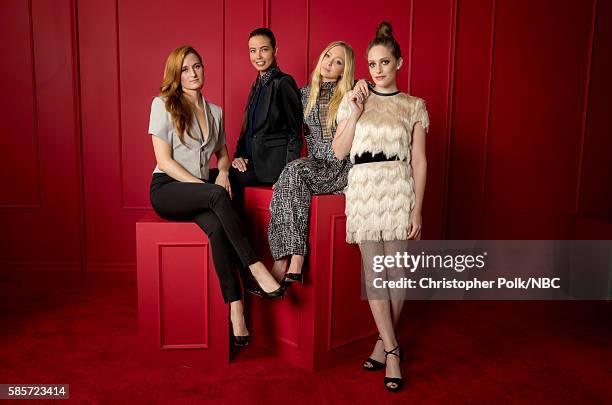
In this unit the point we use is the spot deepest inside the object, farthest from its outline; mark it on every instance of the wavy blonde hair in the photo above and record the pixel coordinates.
(344, 84)
(178, 107)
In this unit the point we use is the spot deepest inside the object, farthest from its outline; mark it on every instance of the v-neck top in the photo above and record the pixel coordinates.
(194, 154)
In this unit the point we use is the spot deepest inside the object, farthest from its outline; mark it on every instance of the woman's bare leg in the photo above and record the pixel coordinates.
(381, 307)
(263, 277)
(295, 266)
(279, 268)
(397, 295)
(369, 250)
(237, 317)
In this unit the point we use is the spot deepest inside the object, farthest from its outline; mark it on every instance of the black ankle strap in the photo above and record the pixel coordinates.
(392, 351)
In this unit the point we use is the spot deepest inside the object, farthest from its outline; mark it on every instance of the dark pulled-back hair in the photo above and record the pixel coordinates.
(384, 37)
(266, 32)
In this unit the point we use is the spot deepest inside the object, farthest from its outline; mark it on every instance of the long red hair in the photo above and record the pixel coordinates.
(178, 107)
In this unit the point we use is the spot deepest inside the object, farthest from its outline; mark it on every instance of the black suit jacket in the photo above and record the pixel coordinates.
(277, 130)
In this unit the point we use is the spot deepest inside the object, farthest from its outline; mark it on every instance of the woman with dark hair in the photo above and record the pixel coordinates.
(186, 131)
(318, 173)
(385, 139)
(271, 133)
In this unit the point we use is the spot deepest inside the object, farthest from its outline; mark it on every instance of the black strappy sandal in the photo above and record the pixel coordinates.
(374, 365)
(398, 381)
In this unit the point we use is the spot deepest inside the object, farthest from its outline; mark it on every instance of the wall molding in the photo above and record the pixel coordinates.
(450, 92)
(587, 93)
(488, 114)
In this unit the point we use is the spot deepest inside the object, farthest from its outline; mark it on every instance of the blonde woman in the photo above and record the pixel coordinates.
(186, 130)
(385, 139)
(318, 173)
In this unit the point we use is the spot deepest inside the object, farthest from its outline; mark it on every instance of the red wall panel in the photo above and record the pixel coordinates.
(596, 179)
(537, 99)
(470, 98)
(520, 82)
(429, 62)
(21, 146)
(292, 35)
(241, 17)
(41, 209)
(100, 122)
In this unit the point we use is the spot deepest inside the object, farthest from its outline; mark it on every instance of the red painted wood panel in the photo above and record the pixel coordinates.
(241, 17)
(469, 112)
(537, 100)
(430, 63)
(520, 82)
(182, 318)
(19, 126)
(344, 286)
(100, 122)
(48, 233)
(292, 38)
(183, 295)
(596, 181)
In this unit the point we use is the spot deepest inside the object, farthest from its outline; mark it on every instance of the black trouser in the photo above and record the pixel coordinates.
(239, 181)
(208, 205)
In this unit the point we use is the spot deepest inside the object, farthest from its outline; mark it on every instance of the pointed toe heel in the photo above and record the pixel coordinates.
(279, 293)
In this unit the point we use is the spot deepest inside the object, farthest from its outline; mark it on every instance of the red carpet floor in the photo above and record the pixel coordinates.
(458, 352)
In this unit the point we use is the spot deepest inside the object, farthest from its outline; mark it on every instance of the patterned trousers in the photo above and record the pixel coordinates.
(290, 205)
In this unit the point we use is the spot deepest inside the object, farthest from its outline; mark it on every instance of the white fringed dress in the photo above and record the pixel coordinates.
(380, 195)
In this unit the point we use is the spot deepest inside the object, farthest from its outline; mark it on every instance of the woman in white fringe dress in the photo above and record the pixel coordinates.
(383, 132)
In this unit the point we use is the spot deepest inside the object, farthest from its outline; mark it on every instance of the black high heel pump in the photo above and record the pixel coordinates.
(289, 278)
(256, 289)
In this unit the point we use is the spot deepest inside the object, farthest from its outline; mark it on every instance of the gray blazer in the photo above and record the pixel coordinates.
(195, 154)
